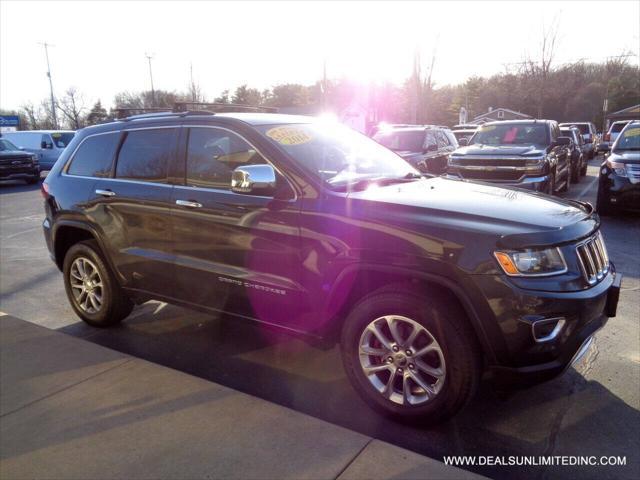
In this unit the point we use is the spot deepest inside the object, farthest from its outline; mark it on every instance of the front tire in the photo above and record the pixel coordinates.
(551, 185)
(91, 287)
(603, 206)
(575, 171)
(409, 357)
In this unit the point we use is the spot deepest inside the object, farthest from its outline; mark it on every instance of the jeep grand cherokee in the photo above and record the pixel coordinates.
(311, 227)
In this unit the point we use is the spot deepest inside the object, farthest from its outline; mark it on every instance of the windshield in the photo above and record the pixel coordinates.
(409, 141)
(617, 127)
(337, 154)
(6, 145)
(629, 139)
(511, 134)
(62, 139)
(569, 133)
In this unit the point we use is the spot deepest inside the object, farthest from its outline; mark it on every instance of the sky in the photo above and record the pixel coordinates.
(100, 47)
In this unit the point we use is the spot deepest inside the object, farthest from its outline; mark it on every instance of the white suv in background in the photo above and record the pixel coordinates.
(611, 136)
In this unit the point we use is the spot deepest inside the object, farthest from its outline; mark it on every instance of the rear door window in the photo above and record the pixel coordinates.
(94, 157)
(145, 154)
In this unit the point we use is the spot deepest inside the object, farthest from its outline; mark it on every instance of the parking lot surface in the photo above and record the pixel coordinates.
(591, 410)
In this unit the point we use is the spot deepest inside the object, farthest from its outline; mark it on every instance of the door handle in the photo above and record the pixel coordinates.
(188, 203)
(105, 193)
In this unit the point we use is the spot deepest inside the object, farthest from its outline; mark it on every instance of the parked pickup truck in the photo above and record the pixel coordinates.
(529, 154)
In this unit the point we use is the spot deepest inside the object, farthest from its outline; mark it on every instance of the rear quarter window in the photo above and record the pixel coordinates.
(94, 157)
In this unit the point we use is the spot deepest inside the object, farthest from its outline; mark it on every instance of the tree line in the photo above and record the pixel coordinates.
(570, 92)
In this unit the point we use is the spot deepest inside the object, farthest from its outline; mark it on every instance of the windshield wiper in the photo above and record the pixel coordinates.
(382, 180)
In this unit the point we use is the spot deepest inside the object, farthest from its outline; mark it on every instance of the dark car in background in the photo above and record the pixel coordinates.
(578, 153)
(464, 132)
(16, 164)
(619, 180)
(529, 154)
(426, 147)
(589, 135)
(425, 283)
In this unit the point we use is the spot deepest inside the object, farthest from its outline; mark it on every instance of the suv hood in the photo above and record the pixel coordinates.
(15, 154)
(517, 217)
(630, 156)
(500, 150)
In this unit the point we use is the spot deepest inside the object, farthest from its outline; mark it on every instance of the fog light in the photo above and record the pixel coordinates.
(547, 329)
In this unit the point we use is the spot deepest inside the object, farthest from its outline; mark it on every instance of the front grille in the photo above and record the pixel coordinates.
(593, 259)
(491, 175)
(494, 162)
(633, 171)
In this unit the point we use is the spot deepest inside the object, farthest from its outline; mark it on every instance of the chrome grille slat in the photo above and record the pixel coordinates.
(593, 258)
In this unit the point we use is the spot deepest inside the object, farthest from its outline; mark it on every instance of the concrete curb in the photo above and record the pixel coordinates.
(73, 409)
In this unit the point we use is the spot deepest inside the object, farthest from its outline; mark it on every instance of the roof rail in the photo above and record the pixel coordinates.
(166, 114)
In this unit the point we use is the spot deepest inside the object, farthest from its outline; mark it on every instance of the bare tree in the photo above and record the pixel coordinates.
(32, 115)
(72, 107)
(538, 70)
(194, 91)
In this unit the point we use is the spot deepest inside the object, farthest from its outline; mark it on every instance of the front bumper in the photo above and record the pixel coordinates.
(530, 361)
(20, 174)
(619, 192)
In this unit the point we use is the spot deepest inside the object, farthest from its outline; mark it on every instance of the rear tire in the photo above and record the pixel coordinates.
(393, 389)
(92, 289)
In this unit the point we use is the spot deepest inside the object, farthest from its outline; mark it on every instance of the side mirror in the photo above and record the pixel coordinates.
(44, 144)
(563, 141)
(463, 142)
(20, 148)
(254, 180)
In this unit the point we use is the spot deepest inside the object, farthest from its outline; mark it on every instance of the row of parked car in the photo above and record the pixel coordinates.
(539, 155)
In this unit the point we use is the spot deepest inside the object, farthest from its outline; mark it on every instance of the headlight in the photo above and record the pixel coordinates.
(617, 167)
(34, 158)
(534, 164)
(532, 262)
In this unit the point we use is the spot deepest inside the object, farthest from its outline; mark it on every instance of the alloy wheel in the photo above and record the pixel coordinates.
(402, 360)
(86, 285)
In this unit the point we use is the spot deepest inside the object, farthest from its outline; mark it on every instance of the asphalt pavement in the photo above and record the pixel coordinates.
(591, 410)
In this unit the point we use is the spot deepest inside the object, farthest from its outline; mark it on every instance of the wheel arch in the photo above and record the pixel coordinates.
(355, 282)
(67, 233)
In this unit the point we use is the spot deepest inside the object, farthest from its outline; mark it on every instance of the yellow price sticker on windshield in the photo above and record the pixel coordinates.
(289, 135)
(488, 128)
(632, 132)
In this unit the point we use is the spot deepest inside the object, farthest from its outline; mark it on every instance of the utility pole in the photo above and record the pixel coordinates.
(153, 93)
(53, 100)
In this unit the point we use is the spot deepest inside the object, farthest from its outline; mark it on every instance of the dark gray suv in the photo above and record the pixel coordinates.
(426, 147)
